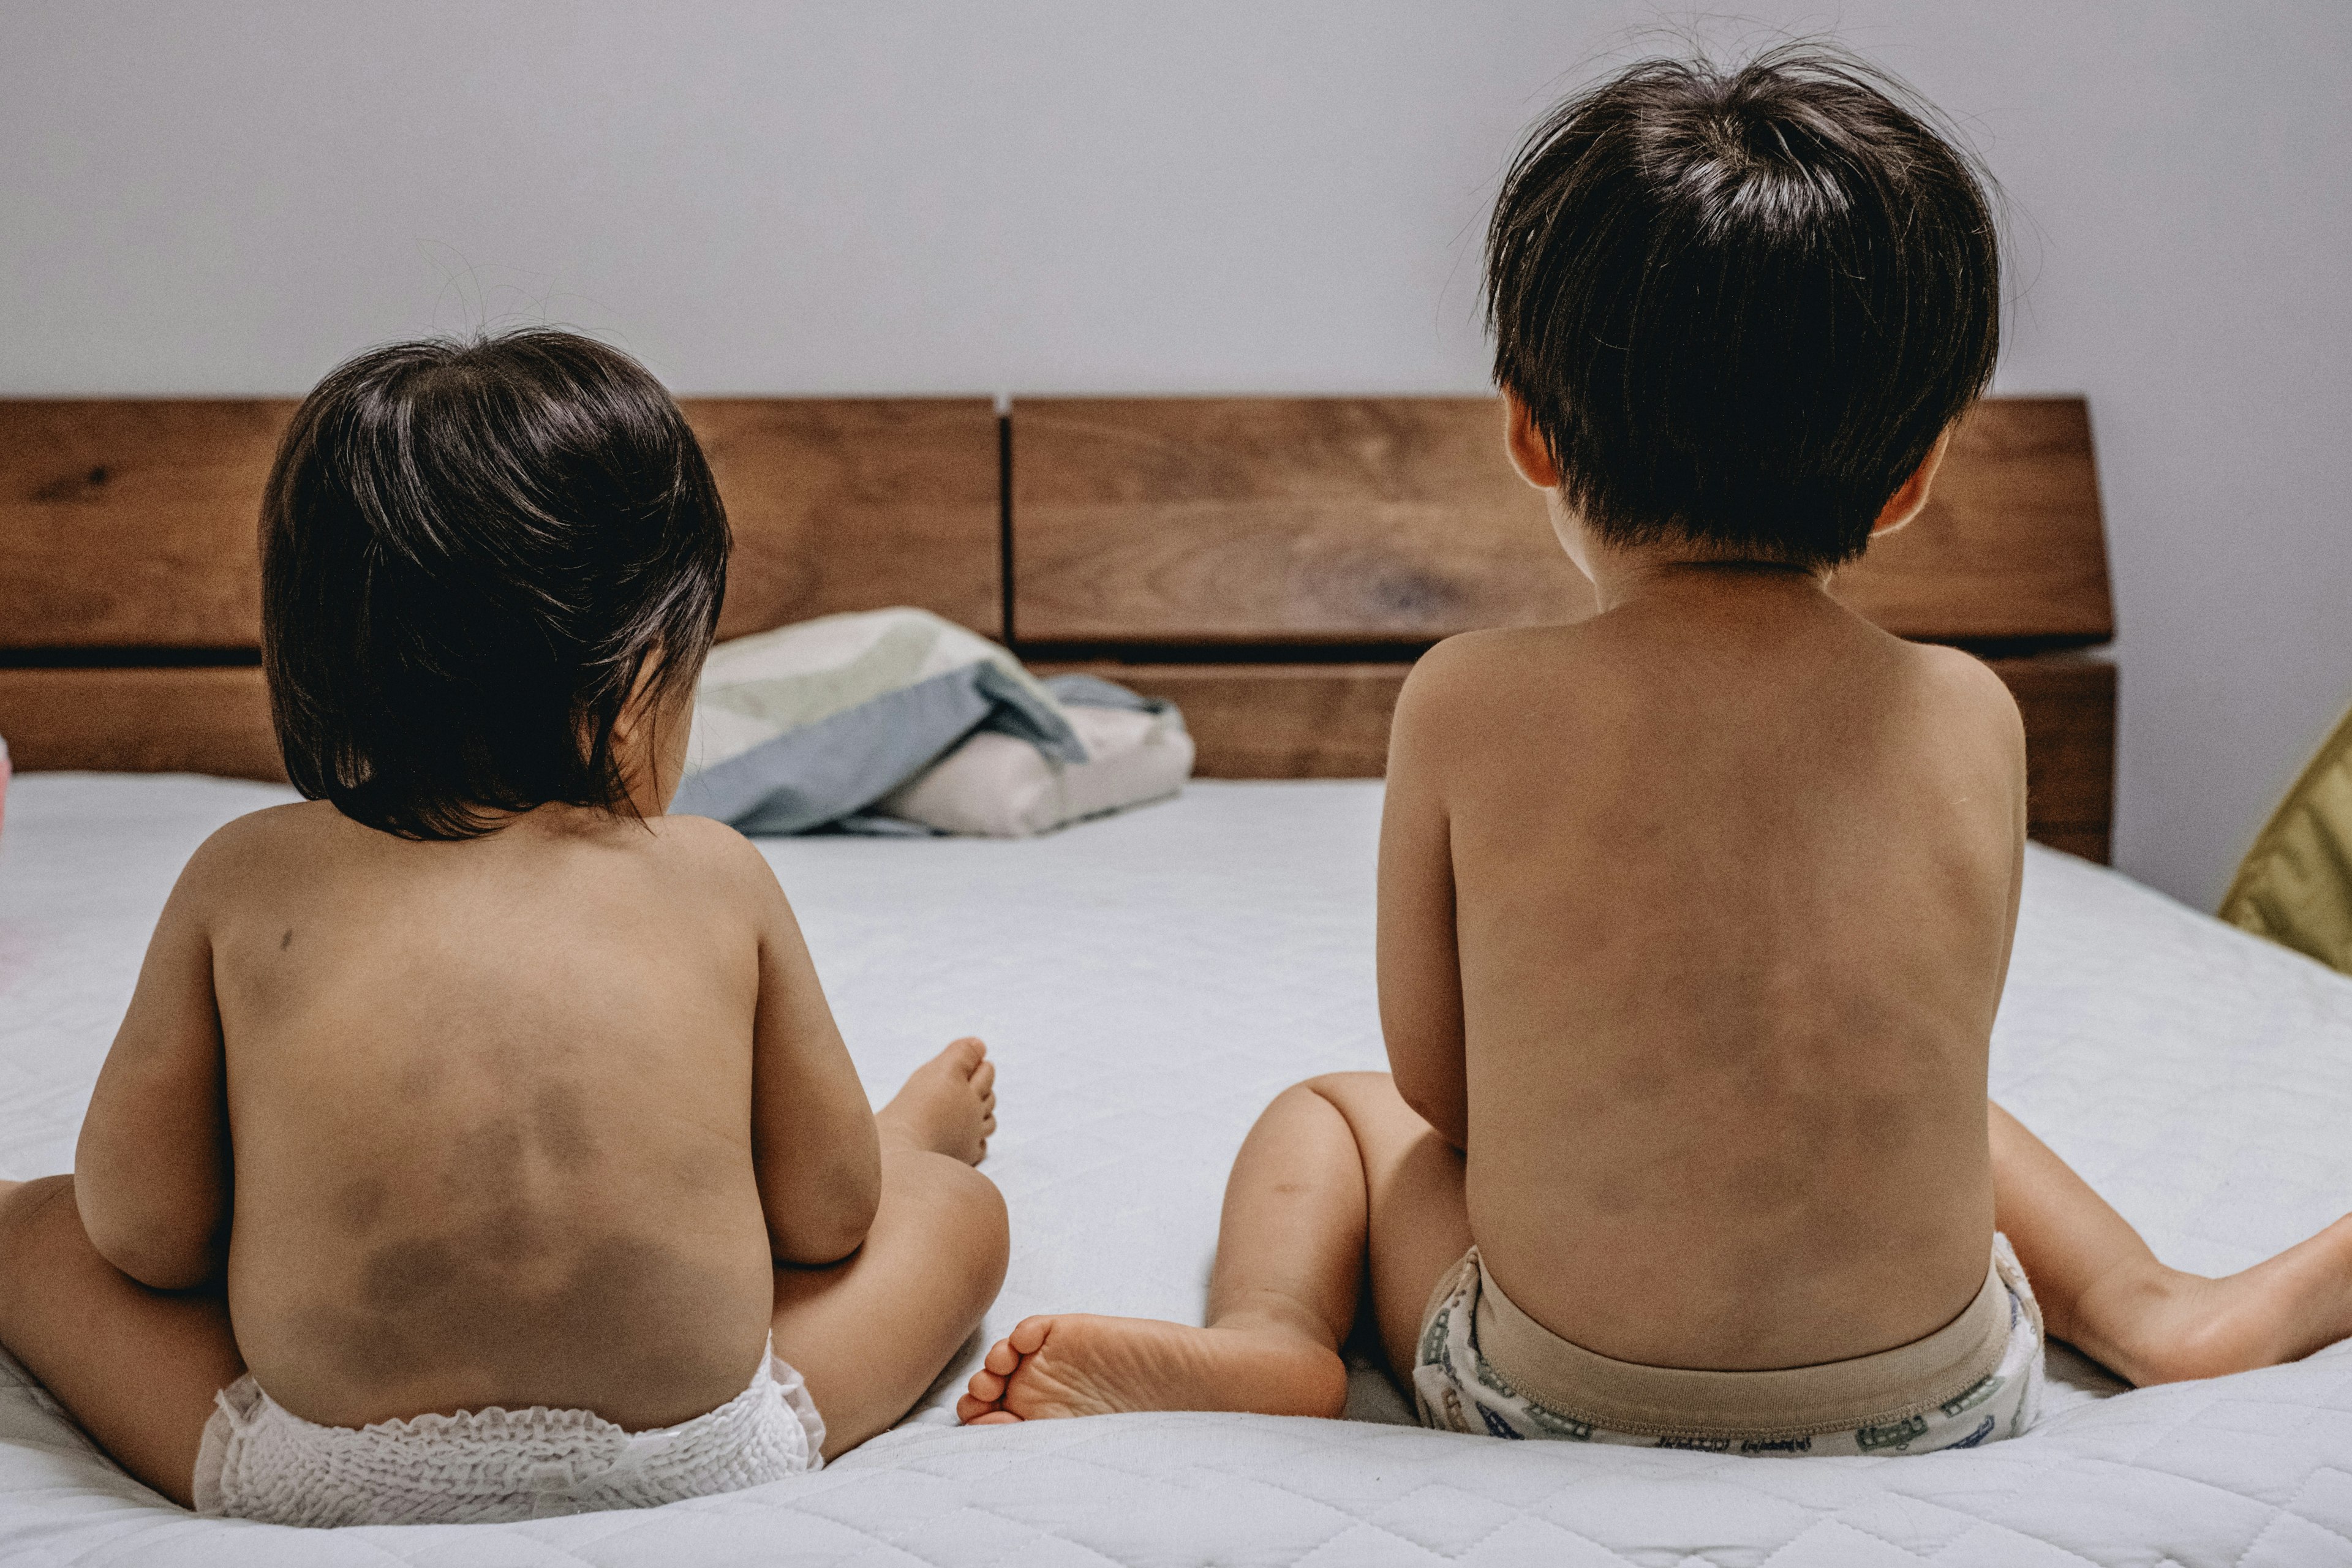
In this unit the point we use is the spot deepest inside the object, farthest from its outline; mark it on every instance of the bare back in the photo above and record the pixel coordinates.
(524, 1120)
(1732, 878)
(474, 1092)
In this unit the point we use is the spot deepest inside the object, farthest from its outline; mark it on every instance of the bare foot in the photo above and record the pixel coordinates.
(1079, 1364)
(2167, 1326)
(948, 1105)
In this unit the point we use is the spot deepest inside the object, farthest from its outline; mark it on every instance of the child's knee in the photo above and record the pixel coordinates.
(32, 1215)
(1358, 1096)
(987, 1225)
(1336, 1086)
(31, 1206)
(973, 1235)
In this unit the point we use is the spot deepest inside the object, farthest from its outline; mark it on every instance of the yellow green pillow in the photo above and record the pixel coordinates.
(2295, 884)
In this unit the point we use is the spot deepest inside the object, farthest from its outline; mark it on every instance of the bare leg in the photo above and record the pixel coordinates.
(2104, 1292)
(1338, 1173)
(870, 1333)
(137, 1368)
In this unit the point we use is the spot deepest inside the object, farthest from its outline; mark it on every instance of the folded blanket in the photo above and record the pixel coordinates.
(1000, 787)
(802, 726)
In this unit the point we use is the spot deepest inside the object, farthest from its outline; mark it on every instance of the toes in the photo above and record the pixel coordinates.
(983, 1079)
(1028, 1336)
(986, 1386)
(993, 1418)
(1002, 1358)
(967, 1054)
(969, 1410)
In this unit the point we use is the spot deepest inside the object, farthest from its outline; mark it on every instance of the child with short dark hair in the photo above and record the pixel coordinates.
(479, 1143)
(1694, 916)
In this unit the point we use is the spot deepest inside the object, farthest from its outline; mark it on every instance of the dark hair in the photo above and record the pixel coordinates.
(1740, 305)
(469, 551)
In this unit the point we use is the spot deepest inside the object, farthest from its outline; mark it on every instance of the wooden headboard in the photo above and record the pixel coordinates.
(131, 588)
(1273, 565)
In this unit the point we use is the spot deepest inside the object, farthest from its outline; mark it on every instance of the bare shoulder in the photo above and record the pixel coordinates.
(716, 857)
(302, 822)
(1495, 650)
(1469, 702)
(1964, 685)
(1967, 712)
(255, 851)
(709, 846)
(1442, 697)
(1470, 673)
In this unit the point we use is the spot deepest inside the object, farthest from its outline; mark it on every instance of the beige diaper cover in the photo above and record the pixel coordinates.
(261, 1461)
(1484, 1366)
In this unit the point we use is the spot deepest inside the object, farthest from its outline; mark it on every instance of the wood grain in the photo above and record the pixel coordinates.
(1274, 520)
(2092, 844)
(1252, 721)
(1331, 720)
(1206, 521)
(1270, 721)
(2068, 704)
(131, 523)
(857, 505)
(203, 719)
(2010, 548)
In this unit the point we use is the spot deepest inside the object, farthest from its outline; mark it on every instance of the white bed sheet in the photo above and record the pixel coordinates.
(1147, 982)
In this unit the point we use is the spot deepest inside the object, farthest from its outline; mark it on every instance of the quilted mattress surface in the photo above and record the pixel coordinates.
(1148, 983)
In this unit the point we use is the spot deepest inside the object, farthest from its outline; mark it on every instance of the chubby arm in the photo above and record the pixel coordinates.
(1420, 968)
(152, 1168)
(2010, 725)
(1981, 701)
(814, 1146)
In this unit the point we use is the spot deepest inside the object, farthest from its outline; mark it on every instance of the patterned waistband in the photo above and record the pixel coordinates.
(1625, 1396)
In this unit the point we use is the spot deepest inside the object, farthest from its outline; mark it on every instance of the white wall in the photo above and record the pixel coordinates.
(1063, 196)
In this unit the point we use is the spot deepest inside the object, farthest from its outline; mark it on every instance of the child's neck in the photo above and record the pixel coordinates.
(1641, 574)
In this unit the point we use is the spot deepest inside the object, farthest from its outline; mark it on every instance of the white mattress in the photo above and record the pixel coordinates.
(1148, 983)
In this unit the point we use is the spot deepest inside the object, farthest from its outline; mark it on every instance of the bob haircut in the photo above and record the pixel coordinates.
(470, 552)
(1740, 305)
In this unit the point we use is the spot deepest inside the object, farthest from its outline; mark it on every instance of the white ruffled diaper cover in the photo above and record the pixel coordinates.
(261, 1461)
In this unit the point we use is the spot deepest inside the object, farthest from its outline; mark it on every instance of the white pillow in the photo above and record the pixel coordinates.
(999, 786)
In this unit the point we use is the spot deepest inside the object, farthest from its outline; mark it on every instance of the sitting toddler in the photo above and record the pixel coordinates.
(1694, 916)
(479, 1143)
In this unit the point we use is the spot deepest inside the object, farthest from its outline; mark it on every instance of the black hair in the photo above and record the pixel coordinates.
(1740, 305)
(470, 549)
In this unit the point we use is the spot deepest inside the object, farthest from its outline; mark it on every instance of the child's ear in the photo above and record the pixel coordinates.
(1912, 499)
(633, 715)
(1529, 454)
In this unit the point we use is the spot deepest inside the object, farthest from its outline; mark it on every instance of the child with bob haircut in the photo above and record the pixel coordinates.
(1694, 916)
(479, 1143)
